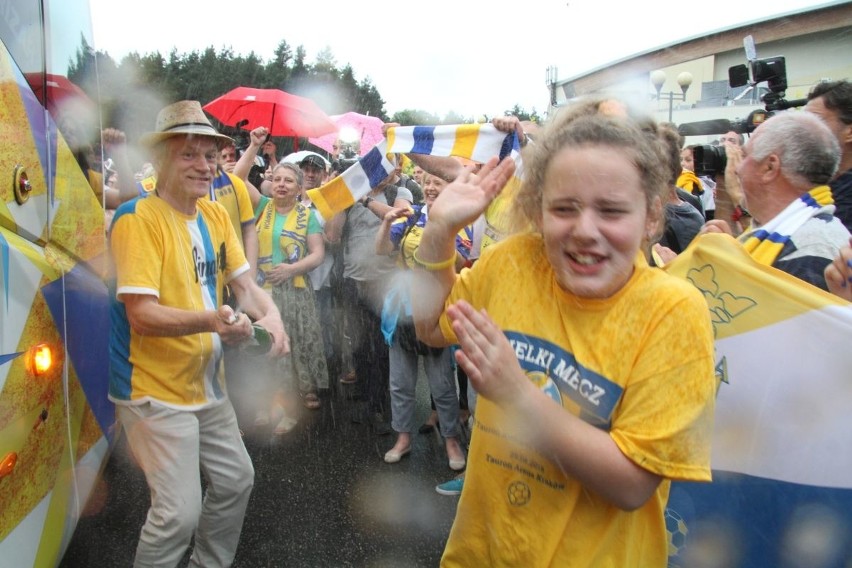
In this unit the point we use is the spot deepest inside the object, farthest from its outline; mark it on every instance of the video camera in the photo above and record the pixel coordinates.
(773, 70)
(712, 158)
(345, 159)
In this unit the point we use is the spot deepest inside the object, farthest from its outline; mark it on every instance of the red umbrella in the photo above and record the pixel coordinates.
(58, 92)
(282, 113)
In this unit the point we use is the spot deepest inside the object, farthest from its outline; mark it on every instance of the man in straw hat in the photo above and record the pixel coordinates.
(174, 252)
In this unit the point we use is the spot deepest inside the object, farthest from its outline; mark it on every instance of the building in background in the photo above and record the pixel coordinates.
(815, 43)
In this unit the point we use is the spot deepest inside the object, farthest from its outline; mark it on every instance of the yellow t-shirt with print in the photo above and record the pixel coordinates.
(185, 261)
(227, 189)
(620, 364)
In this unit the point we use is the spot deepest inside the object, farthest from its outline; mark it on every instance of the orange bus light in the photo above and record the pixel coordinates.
(40, 360)
(8, 464)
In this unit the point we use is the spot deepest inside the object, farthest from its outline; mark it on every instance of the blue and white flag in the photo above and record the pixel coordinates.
(782, 447)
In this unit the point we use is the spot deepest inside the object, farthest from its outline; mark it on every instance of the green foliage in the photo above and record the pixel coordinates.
(455, 118)
(523, 115)
(410, 117)
(133, 90)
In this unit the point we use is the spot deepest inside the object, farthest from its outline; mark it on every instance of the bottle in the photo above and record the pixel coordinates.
(259, 343)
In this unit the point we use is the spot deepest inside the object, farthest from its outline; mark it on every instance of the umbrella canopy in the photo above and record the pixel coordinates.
(282, 113)
(57, 92)
(367, 130)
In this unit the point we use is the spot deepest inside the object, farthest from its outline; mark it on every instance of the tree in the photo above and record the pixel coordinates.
(325, 63)
(409, 117)
(135, 89)
(277, 71)
(81, 71)
(522, 114)
(369, 101)
(455, 118)
(300, 69)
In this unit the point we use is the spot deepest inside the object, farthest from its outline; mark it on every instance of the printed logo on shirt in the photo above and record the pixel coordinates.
(557, 372)
(207, 261)
(207, 267)
(518, 493)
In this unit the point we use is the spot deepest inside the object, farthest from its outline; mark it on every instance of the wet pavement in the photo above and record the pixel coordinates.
(322, 497)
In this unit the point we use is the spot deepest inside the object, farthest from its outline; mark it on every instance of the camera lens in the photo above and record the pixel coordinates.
(709, 159)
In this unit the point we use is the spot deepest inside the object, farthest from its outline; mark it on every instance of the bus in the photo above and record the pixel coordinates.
(55, 418)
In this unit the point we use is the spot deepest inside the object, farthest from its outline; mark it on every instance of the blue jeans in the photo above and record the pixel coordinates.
(442, 385)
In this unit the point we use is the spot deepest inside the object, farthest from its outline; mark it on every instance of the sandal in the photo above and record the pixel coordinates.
(311, 401)
(284, 426)
(261, 418)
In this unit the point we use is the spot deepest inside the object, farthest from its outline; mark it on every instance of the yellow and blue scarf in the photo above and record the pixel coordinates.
(478, 142)
(292, 242)
(764, 244)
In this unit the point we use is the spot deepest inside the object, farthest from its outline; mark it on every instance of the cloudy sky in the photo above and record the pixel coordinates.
(469, 56)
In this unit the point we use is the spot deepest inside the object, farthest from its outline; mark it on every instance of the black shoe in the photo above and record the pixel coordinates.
(379, 425)
(359, 414)
(430, 424)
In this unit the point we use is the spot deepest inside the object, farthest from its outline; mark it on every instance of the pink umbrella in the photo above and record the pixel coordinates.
(365, 129)
(282, 113)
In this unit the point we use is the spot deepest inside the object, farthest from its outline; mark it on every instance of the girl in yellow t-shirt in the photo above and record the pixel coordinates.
(588, 403)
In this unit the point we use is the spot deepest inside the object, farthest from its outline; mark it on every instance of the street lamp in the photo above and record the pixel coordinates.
(551, 79)
(658, 78)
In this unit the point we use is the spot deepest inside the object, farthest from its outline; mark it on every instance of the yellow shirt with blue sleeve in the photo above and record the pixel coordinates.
(619, 364)
(185, 261)
(227, 189)
(406, 232)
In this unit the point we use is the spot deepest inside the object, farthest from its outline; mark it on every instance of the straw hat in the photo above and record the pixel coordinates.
(182, 117)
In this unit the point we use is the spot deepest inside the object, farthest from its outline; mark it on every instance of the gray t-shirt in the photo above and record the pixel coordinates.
(360, 261)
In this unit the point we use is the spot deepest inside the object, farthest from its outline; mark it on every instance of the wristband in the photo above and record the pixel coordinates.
(434, 266)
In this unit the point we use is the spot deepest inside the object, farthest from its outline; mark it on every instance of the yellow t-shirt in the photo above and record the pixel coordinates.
(226, 189)
(185, 261)
(619, 363)
(231, 192)
(406, 233)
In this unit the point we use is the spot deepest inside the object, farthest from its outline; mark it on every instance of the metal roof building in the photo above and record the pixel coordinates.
(815, 43)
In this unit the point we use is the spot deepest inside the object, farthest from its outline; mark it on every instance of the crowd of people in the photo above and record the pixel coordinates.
(545, 328)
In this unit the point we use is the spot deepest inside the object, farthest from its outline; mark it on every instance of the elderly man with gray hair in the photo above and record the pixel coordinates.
(174, 253)
(787, 164)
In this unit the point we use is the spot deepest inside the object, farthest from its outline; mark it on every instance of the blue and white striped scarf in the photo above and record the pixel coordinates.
(765, 243)
(479, 142)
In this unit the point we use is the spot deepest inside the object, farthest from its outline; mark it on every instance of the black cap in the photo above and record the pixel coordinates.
(312, 160)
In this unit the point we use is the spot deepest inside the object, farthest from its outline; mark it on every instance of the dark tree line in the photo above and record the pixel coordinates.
(133, 90)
